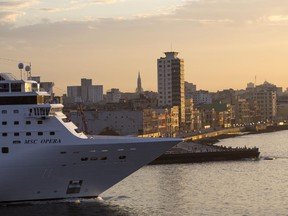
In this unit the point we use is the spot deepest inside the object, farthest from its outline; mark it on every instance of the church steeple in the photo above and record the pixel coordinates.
(139, 89)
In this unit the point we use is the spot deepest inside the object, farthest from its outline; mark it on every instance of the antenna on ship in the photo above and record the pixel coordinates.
(28, 70)
(20, 66)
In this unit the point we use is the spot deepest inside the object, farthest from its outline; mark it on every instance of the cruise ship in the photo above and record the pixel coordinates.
(43, 156)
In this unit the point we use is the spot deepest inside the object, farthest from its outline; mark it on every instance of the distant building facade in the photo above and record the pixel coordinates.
(86, 93)
(189, 89)
(113, 96)
(267, 104)
(171, 83)
(202, 97)
(122, 122)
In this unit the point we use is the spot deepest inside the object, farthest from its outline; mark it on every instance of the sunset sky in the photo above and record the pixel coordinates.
(224, 43)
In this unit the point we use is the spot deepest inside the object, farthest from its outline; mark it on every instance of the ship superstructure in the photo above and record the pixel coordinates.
(44, 156)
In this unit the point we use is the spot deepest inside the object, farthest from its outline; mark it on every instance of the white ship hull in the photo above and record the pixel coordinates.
(44, 156)
(39, 172)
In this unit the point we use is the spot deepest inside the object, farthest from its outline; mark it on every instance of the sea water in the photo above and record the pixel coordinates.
(246, 187)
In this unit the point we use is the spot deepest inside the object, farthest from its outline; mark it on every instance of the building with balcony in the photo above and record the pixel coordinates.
(171, 83)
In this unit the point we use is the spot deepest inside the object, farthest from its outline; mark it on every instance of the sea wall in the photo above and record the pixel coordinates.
(214, 134)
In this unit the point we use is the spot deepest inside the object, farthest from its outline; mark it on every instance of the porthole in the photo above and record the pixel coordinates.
(5, 150)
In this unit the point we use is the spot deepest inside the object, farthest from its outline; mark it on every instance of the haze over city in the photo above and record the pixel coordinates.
(224, 43)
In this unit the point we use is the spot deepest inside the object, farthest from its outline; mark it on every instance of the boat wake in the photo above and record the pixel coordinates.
(274, 158)
(268, 158)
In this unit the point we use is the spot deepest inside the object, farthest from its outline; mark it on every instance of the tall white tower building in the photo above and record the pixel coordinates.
(171, 83)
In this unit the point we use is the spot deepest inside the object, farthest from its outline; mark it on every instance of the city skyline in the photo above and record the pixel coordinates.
(225, 44)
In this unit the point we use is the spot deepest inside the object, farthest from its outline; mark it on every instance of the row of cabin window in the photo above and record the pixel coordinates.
(122, 157)
(17, 122)
(5, 111)
(52, 133)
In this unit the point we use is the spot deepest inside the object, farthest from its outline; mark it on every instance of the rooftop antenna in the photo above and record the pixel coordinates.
(171, 47)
